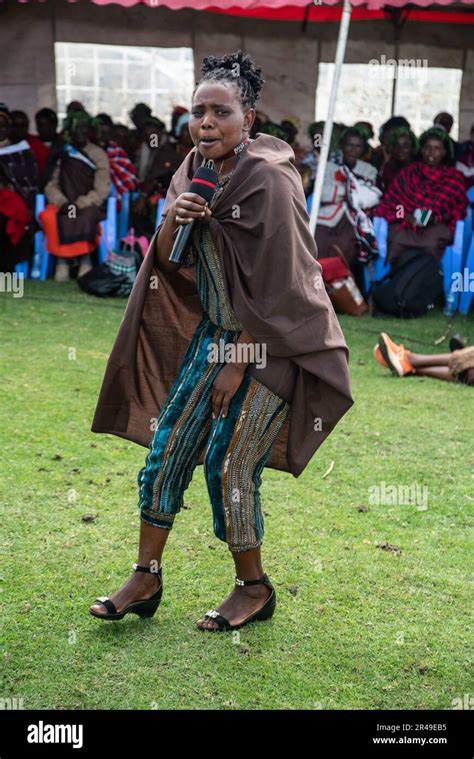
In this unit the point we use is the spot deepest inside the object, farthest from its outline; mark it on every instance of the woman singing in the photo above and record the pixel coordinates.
(235, 358)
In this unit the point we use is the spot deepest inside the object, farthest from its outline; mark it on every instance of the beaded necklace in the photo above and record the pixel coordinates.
(221, 183)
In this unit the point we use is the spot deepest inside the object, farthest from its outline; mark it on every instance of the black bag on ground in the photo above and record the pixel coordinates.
(116, 275)
(412, 286)
(101, 281)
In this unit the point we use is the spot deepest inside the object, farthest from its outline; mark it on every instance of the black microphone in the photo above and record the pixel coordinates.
(203, 184)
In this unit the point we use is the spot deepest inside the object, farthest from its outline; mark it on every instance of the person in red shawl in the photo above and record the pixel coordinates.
(425, 185)
(19, 182)
(250, 285)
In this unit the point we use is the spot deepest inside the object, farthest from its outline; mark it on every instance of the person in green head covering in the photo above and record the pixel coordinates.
(276, 130)
(402, 146)
(77, 194)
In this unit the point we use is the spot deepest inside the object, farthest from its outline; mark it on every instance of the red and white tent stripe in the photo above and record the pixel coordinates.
(224, 5)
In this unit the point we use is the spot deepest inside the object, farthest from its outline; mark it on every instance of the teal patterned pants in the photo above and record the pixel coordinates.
(235, 448)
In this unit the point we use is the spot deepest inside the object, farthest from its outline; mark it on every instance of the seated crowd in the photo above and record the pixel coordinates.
(76, 168)
(418, 184)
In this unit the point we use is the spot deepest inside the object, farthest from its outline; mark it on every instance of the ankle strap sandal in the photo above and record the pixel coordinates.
(266, 612)
(144, 608)
(139, 568)
(263, 578)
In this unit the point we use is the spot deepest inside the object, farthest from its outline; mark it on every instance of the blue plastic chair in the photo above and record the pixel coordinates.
(467, 231)
(380, 267)
(108, 238)
(43, 262)
(451, 264)
(467, 268)
(23, 266)
(124, 215)
(467, 295)
(159, 211)
(22, 269)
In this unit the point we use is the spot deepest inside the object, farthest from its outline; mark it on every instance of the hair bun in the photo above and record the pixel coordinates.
(238, 65)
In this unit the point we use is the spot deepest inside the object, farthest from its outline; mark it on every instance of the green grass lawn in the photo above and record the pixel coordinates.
(356, 626)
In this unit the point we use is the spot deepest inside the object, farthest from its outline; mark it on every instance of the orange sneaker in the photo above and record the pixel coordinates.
(395, 356)
(378, 356)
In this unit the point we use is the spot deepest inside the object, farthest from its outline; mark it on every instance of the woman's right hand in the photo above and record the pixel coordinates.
(189, 206)
(186, 208)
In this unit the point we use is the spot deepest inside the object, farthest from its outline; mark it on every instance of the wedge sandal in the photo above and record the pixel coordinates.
(144, 608)
(266, 612)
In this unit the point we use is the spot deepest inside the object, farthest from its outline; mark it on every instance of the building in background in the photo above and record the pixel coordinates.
(366, 92)
(112, 78)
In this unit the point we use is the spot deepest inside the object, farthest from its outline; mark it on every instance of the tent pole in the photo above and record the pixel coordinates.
(395, 77)
(340, 52)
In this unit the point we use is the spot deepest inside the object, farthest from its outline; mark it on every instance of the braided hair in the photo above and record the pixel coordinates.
(393, 123)
(238, 69)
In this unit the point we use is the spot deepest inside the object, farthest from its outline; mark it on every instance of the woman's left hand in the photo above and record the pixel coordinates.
(225, 387)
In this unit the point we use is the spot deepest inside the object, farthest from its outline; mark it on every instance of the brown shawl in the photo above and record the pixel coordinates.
(76, 178)
(260, 226)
